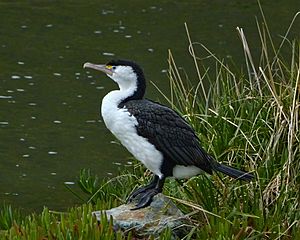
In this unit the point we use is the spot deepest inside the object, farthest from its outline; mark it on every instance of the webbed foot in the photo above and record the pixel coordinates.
(146, 198)
(144, 195)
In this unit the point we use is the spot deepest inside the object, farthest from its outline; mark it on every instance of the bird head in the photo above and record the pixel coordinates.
(127, 74)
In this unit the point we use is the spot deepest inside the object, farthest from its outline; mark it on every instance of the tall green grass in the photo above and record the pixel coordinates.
(250, 121)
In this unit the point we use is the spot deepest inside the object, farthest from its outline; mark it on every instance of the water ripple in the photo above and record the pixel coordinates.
(108, 54)
(15, 77)
(5, 97)
(52, 153)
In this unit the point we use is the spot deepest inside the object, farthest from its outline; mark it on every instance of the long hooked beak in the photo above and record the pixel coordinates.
(99, 67)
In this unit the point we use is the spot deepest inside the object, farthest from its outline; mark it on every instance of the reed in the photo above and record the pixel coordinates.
(249, 121)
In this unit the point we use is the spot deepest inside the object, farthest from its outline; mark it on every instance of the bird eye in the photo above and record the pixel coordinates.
(110, 67)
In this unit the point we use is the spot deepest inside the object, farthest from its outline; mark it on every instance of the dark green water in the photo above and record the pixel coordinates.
(50, 126)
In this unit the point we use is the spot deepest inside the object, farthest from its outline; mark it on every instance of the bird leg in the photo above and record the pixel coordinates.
(147, 192)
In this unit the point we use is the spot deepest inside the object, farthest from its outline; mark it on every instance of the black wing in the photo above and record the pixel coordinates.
(170, 133)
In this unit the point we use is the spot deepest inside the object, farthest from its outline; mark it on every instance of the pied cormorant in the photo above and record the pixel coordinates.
(153, 133)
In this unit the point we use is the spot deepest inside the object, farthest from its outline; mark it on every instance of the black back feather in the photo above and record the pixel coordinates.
(170, 133)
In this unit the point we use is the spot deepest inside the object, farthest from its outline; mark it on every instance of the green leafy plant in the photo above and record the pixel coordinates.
(9, 216)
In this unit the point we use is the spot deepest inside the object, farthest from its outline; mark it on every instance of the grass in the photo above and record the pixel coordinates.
(249, 120)
(76, 224)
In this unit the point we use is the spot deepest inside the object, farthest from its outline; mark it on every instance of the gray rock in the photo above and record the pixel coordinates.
(161, 214)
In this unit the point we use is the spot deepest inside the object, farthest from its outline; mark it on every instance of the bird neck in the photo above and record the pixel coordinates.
(111, 105)
(132, 92)
(118, 98)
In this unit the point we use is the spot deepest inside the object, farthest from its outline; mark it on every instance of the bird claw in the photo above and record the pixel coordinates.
(135, 193)
(145, 194)
(145, 198)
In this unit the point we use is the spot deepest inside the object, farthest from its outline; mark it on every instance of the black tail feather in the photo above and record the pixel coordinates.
(233, 172)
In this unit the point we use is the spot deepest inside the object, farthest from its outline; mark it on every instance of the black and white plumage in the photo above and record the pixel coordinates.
(154, 134)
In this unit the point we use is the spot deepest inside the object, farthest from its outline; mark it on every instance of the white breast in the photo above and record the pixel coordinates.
(123, 126)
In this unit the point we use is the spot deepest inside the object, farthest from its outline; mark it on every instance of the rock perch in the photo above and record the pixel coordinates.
(161, 214)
